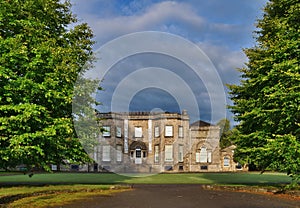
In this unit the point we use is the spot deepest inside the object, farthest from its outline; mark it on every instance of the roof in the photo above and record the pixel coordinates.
(200, 124)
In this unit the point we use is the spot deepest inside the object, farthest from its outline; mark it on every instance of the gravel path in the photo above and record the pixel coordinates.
(183, 196)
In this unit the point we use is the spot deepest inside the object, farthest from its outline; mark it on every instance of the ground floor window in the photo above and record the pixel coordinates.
(119, 153)
(156, 153)
(106, 153)
(203, 155)
(226, 161)
(180, 153)
(169, 153)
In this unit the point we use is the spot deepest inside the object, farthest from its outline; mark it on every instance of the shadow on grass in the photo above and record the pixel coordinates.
(248, 178)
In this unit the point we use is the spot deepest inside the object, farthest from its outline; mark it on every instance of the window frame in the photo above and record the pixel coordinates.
(107, 131)
(169, 157)
(106, 153)
(169, 130)
(138, 132)
(180, 132)
(118, 131)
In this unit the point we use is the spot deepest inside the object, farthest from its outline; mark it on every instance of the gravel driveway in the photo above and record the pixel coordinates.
(183, 196)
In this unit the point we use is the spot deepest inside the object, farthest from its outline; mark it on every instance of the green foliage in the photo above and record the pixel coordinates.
(267, 101)
(39, 64)
(225, 138)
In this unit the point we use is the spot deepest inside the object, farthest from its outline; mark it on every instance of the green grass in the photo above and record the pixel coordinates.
(184, 178)
(36, 196)
(40, 190)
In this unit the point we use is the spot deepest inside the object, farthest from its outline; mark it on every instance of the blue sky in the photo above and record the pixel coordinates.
(220, 28)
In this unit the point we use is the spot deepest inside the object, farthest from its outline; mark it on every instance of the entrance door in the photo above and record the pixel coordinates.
(138, 156)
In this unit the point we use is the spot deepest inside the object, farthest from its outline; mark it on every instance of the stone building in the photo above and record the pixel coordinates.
(150, 142)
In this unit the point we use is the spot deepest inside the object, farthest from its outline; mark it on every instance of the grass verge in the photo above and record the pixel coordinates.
(58, 195)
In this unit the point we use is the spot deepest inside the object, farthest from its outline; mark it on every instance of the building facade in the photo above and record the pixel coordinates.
(150, 142)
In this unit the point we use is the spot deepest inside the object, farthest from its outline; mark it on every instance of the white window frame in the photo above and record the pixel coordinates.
(106, 132)
(197, 157)
(168, 131)
(156, 153)
(203, 155)
(226, 161)
(180, 132)
(106, 153)
(156, 131)
(168, 153)
(138, 132)
(209, 156)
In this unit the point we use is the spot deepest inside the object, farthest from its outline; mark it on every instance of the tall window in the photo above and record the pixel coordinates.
(106, 153)
(106, 132)
(156, 131)
(180, 153)
(203, 155)
(209, 156)
(118, 131)
(156, 153)
(180, 131)
(138, 132)
(119, 153)
(168, 131)
(169, 153)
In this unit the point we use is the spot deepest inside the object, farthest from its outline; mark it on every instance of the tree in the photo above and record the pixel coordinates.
(267, 101)
(41, 57)
(225, 139)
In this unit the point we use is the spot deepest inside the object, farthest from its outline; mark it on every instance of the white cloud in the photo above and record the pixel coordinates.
(168, 16)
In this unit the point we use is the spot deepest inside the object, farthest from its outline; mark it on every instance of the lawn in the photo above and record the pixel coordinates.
(42, 190)
(184, 178)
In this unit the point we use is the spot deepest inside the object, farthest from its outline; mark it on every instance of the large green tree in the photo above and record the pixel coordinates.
(267, 101)
(41, 55)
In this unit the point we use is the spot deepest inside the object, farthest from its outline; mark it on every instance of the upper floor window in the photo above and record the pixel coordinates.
(106, 132)
(138, 132)
(180, 131)
(118, 131)
(156, 131)
(168, 131)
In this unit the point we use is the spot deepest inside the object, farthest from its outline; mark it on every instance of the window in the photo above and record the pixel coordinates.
(226, 161)
(138, 132)
(180, 131)
(156, 153)
(169, 153)
(203, 155)
(168, 131)
(180, 153)
(156, 131)
(197, 157)
(106, 153)
(106, 132)
(118, 132)
(209, 156)
(119, 153)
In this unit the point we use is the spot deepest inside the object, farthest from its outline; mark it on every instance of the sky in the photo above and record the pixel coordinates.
(192, 52)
